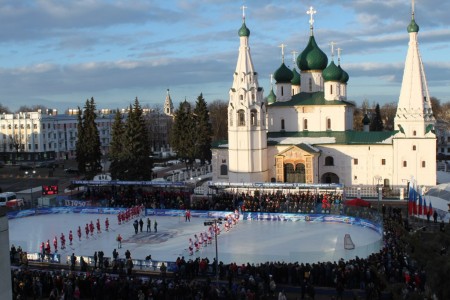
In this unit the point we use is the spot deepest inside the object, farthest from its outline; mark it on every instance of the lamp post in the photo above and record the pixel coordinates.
(31, 188)
(209, 223)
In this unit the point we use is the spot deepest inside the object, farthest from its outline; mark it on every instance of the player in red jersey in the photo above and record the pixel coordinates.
(91, 228)
(106, 224)
(63, 241)
(87, 230)
(55, 243)
(98, 226)
(71, 237)
(79, 233)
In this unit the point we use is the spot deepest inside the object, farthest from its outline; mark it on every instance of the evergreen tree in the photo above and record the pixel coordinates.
(116, 149)
(377, 122)
(93, 153)
(202, 131)
(80, 145)
(182, 138)
(137, 154)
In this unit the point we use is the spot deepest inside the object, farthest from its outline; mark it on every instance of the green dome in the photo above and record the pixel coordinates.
(244, 31)
(296, 79)
(344, 77)
(283, 74)
(312, 58)
(413, 27)
(332, 73)
(271, 98)
(366, 120)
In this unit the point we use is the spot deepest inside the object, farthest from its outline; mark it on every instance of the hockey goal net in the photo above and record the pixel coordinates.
(348, 243)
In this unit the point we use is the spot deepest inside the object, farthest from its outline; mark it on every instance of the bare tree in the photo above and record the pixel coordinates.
(218, 116)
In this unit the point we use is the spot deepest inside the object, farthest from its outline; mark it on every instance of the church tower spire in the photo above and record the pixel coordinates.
(168, 105)
(414, 112)
(247, 137)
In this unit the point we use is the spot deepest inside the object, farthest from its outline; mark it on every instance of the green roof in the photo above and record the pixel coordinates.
(244, 31)
(349, 137)
(316, 98)
(296, 79)
(283, 74)
(332, 72)
(272, 98)
(340, 137)
(312, 58)
(345, 77)
(413, 27)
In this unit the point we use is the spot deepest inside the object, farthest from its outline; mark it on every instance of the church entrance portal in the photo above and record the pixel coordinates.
(296, 174)
(329, 178)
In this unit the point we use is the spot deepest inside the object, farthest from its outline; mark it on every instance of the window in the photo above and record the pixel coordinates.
(423, 164)
(310, 84)
(305, 124)
(241, 97)
(329, 161)
(414, 133)
(223, 170)
(383, 162)
(414, 147)
(405, 164)
(331, 90)
(355, 161)
(253, 97)
(282, 124)
(282, 91)
(328, 124)
(241, 117)
(34, 126)
(35, 146)
(253, 119)
(448, 150)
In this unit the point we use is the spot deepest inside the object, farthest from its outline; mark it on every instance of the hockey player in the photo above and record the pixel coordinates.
(196, 243)
(87, 230)
(70, 238)
(55, 243)
(79, 233)
(63, 241)
(98, 226)
(191, 247)
(48, 250)
(91, 228)
(106, 224)
(200, 240)
(119, 218)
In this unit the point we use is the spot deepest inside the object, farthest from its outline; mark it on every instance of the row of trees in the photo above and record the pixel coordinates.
(129, 154)
(191, 134)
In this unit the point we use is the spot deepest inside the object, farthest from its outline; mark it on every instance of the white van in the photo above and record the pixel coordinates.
(10, 199)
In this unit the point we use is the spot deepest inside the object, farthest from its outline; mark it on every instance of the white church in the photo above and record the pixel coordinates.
(304, 132)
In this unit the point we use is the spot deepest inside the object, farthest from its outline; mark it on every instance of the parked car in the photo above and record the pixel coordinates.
(25, 167)
(71, 171)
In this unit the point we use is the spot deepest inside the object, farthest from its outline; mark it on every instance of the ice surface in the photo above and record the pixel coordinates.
(248, 241)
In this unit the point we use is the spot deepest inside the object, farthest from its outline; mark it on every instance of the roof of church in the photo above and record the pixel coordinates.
(304, 98)
(324, 138)
(331, 137)
(244, 31)
(312, 58)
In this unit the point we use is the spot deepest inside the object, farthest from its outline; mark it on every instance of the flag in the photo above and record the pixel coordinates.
(410, 201)
(425, 208)
(420, 211)
(414, 202)
(430, 209)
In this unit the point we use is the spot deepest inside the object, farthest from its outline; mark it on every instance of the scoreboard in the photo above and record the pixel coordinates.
(49, 189)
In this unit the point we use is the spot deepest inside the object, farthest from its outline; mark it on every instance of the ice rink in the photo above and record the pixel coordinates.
(248, 241)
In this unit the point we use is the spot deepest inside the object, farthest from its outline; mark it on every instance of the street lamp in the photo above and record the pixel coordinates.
(31, 188)
(209, 223)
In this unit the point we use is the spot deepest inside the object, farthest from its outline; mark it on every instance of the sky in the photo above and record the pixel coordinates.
(58, 53)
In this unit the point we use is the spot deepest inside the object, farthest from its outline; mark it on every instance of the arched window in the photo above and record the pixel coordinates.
(328, 124)
(414, 147)
(253, 97)
(331, 89)
(310, 84)
(305, 124)
(282, 91)
(329, 161)
(241, 117)
(253, 117)
(414, 133)
(241, 97)
(223, 170)
(282, 124)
